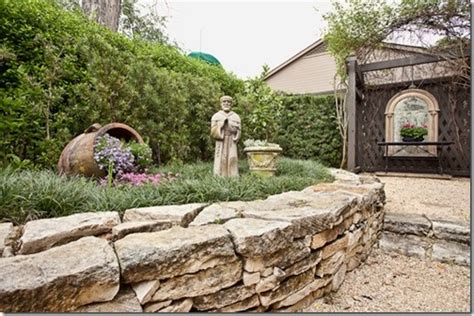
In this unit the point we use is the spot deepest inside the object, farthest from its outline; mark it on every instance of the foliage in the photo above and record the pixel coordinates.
(412, 131)
(357, 24)
(142, 154)
(27, 195)
(259, 143)
(59, 73)
(308, 129)
(261, 108)
(112, 156)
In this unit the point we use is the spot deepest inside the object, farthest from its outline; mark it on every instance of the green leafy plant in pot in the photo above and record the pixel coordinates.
(412, 133)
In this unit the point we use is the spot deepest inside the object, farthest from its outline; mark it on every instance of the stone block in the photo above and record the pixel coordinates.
(179, 214)
(305, 264)
(219, 213)
(297, 296)
(309, 213)
(244, 305)
(5, 230)
(124, 302)
(452, 231)
(403, 223)
(335, 246)
(256, 237)
(145, 290)
(450, 251)
(286, 288)
(201, 283)
(156, 306)
(251, 278)
(267, 284)
(181, 306)
(282, 259)
(124, 229)
(173, 252)
(224, 297)
(323, 238)
(408, 245)
(43, 282)
(338, 277)
(42, 234)
(331, 264)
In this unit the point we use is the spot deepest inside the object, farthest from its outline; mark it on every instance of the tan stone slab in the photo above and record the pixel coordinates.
(43, 282)
(323, 238)
(256, 237)
(5, 229)
(145, 290)
(335, 246)
(219, 213)
(282, 259)
(309, 213)
(224, 297)
(406, 224)
(450, 251)
(173, 252)
(303, 265)
(267, 283)
(156, 306)
(182, 306)
(286, 288)
(124, 302)
(240, 306)
(201, 283)
(251, 278)
(454, 231)
(46, 233)
(181, 214)
(338, 277)
(297, 296)
(124, 229)
(331, 264)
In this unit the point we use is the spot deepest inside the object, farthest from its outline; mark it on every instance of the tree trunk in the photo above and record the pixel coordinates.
(105, 12)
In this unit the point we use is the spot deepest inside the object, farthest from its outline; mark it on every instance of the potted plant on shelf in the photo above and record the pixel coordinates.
(412, 133)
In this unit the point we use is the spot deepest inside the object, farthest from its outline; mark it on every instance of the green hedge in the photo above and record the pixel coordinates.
(59, 73)
(308, 129)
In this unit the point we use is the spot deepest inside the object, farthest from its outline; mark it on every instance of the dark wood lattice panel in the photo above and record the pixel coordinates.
(454, 125)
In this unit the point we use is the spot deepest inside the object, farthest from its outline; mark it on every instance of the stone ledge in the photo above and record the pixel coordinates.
(255, 256)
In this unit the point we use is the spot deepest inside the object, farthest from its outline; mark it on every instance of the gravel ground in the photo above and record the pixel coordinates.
(389, 282)
(396, 283)
(441, 199)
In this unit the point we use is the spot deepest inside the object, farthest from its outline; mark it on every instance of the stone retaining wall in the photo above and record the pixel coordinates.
(426, 238)
(277, 254)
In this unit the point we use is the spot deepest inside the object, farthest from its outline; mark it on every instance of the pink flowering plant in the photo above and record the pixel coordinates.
(125, 162)
(414, 132)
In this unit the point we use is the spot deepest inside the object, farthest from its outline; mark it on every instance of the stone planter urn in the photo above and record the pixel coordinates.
(262, 159)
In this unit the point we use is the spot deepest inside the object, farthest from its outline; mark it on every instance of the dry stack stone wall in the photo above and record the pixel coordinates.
(277, 254)
(427, 238)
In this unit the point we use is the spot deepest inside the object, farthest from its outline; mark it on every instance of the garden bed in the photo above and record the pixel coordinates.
(27, 195)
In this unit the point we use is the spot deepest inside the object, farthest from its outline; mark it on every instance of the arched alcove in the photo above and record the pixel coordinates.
(412, 106)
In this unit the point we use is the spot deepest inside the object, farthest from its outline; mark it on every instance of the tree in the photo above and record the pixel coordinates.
(357, 27)
(105, 12)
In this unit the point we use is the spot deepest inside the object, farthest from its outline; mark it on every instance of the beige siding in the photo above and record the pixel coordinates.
(309, 74)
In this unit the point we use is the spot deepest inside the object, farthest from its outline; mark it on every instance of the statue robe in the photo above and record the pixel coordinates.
(225, 129)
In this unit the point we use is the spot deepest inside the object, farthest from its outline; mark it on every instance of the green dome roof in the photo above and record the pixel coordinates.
(206, 57)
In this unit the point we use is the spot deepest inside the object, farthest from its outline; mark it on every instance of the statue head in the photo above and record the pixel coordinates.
(226, 103)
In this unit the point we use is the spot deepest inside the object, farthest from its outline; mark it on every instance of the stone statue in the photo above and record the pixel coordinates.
(225, 129)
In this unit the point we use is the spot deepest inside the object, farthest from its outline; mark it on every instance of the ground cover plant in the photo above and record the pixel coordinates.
(27, 195)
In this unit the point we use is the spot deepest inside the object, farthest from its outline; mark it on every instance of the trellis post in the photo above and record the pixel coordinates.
(351, 114)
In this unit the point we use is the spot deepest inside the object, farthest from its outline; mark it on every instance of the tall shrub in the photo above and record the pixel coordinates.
(308, 129)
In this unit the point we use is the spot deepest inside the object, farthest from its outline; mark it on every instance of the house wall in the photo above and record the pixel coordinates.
(309, 74)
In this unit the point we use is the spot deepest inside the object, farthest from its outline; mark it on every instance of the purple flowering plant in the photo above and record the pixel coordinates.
(125, 163)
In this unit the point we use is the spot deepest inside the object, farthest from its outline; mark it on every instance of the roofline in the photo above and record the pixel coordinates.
(292, 59)
(321, 41)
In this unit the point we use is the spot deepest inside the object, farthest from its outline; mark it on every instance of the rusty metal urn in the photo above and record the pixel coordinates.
(78, 156)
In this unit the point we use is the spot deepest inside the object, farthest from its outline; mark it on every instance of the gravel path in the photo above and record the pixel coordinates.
(396, 283)
(389, 282)
(441, 199)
